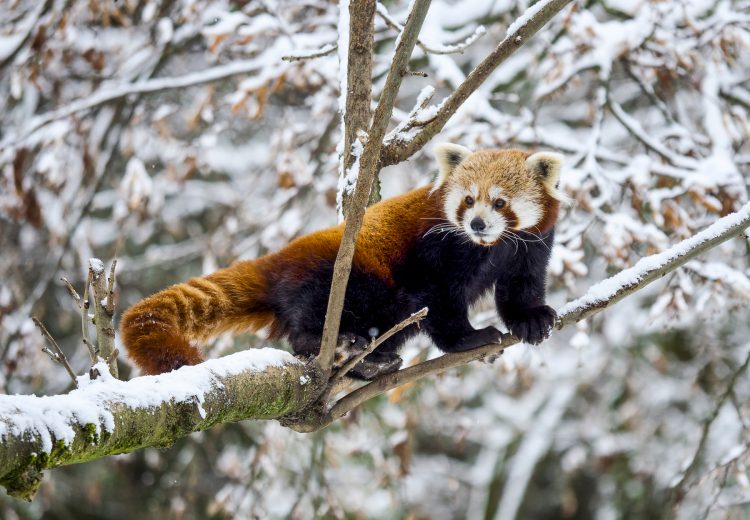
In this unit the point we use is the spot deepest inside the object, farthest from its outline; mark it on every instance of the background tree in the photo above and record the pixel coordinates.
(174, 136)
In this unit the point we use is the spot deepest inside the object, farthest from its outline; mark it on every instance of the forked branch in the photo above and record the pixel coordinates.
(519, 33)
(368, 169)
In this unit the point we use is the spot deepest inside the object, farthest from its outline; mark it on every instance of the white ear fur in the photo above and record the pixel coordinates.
(547, 166)
(448, 156)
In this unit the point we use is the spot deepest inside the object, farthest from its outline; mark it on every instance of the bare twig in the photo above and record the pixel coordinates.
(73, 293)
(105, 329)
(457, 48)
(111, 289)
(58, 356)
(598, 298)
(375, 343)
(369, 164)
(85, 319)
(326, 50)
(398, 150)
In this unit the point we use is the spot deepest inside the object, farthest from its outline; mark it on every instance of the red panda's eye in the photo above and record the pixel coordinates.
(499, 203)
(469, 200)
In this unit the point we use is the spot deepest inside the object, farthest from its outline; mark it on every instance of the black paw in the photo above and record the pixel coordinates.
(376, 364)
(478, 338)
(348, 346)
(532, 325)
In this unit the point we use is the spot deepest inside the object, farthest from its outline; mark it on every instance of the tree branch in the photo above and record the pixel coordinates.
(680, 489)
(105, 94)
(417, 316)
(326, 50)
(108, 416)
(368, 169)
(457, 48)
(357, 90)
(522, 30)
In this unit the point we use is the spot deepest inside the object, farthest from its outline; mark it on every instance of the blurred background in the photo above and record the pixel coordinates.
(173, 136)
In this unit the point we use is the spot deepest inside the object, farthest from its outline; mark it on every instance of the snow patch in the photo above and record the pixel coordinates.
(51, 418)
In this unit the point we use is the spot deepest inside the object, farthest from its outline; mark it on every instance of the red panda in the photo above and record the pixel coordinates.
(487, 223)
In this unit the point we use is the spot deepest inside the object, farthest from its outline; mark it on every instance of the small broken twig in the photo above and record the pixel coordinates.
(73, 293)
(57, 355)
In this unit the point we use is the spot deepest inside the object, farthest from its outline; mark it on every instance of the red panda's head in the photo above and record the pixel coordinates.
(490, 193)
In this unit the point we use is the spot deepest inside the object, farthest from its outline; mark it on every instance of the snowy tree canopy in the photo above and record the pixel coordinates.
(179, 136)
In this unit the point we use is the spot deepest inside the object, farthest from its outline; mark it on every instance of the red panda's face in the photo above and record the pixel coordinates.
(491, 194)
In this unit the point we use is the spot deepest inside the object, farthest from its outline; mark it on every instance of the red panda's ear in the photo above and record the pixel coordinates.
(547, 166)
(448, 156)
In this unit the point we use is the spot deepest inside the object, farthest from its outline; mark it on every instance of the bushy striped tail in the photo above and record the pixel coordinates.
(162, 332)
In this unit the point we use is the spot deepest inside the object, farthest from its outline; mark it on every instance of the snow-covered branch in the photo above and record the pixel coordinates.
(107, 416)
(108, 94)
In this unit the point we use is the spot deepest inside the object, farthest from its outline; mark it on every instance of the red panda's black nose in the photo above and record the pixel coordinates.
(477, 224)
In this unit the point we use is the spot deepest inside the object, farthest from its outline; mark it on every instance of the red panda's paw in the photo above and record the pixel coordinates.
(348, 346)
(478, 338)
(532, 325)
(376, 364)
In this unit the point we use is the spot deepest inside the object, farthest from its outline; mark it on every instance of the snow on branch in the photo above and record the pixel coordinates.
(108, 416)
(109, 94)
(650, 268)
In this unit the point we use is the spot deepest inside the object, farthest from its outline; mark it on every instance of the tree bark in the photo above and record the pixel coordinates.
(359, 86)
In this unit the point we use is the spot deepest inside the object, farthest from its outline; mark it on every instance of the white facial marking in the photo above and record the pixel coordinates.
(528, 212)
(474, 191)
(496, 193)
(494, 223)
(452, 202)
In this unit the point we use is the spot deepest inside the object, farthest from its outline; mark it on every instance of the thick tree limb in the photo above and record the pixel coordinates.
(104, 312)
(520, 32)
(108, 416)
